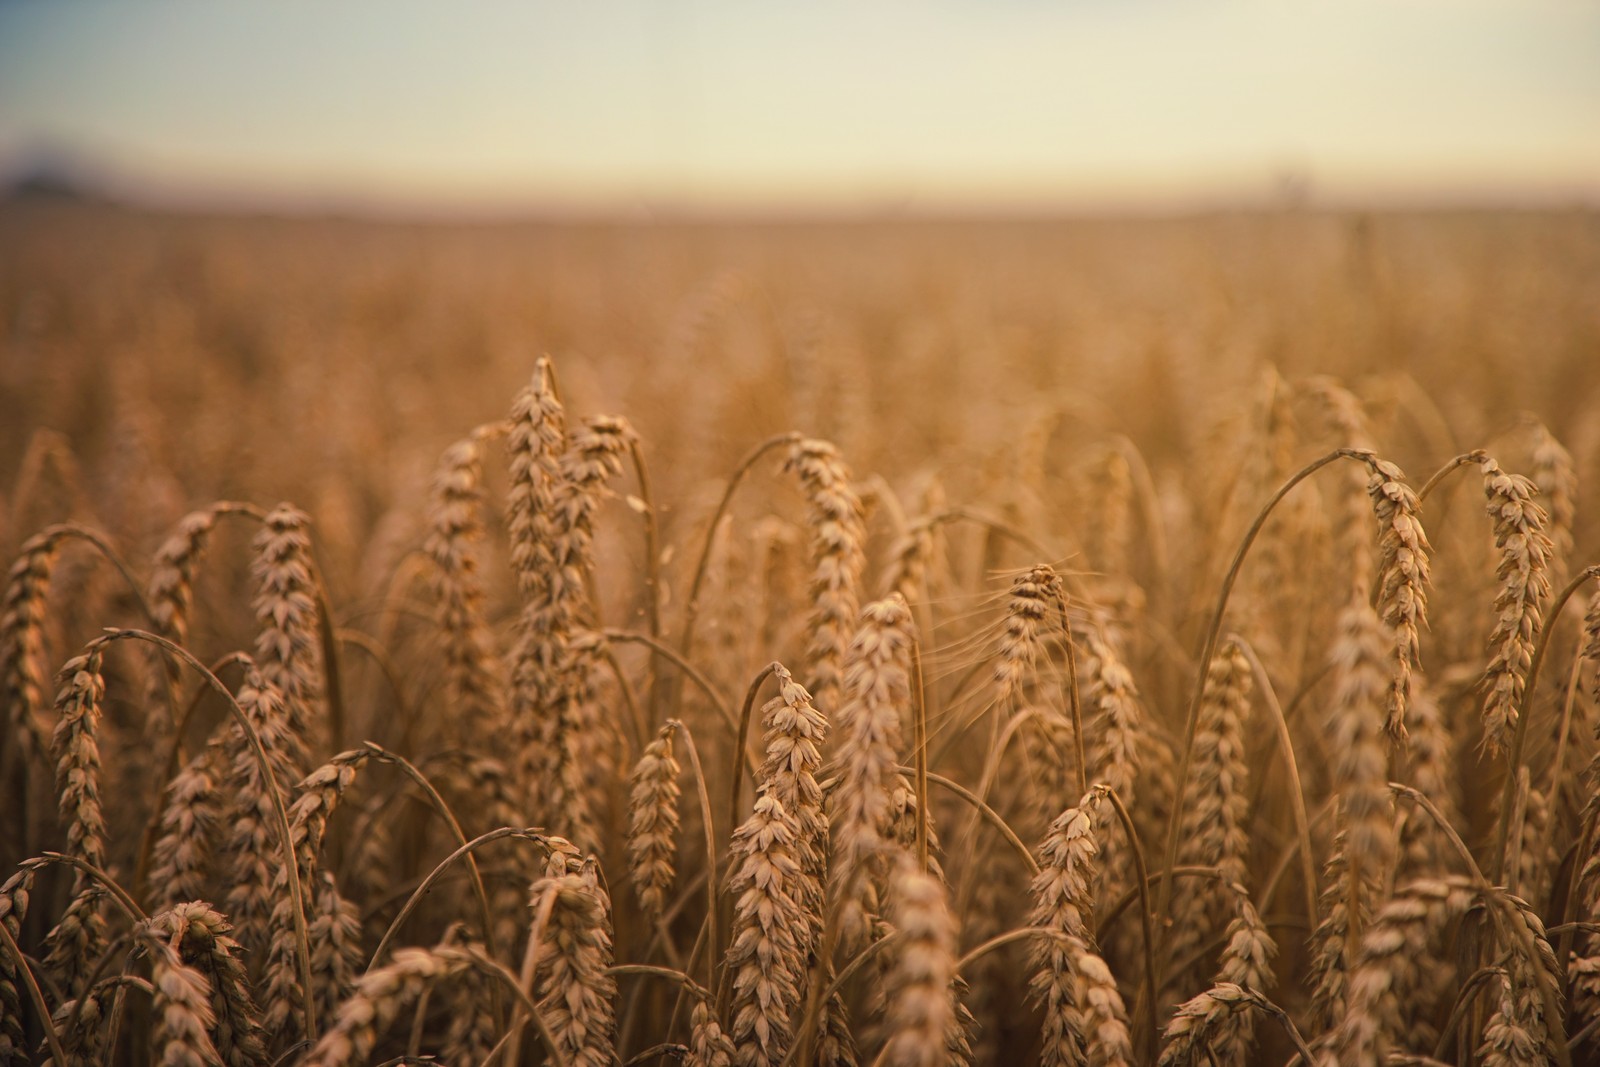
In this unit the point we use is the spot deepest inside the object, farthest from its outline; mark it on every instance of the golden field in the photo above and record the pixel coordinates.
(1077, 641)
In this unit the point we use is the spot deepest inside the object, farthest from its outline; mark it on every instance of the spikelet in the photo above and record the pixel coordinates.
(1402, 577)
(1365, 845)
(286, 615)
(1335, 941)
(766, 956)
(77, 754)
(562, 735)
(534, 444)
(1113, 703)
(170, 594)
(1524, 548)
(877, 699)
(337, 957)
(537, 438)
(576, 995)
(838, 540)
(1032, 602)
(653, 821)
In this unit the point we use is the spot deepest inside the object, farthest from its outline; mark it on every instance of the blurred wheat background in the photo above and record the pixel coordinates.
(708, 625)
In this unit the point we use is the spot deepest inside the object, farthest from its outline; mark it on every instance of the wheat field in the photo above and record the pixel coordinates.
(1088, 641)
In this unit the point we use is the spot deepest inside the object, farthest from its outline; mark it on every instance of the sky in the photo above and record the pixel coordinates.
(695, 103)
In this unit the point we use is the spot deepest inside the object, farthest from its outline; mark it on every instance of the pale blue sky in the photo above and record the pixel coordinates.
(607, 104)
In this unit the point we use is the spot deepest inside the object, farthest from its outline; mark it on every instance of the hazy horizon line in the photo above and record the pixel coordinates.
(76, 174)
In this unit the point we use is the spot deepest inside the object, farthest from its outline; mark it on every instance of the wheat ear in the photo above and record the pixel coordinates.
(767, 951)
(456, 525)
(286, 614)
(653, 822)
(1402, 577)
(838, 539)
(921, 995)
(1519, 525)
(201, 935)
(1085, 1020)
(577, 996)
(877, 700)
(81, 934)
(13, 911)
(182, 857)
